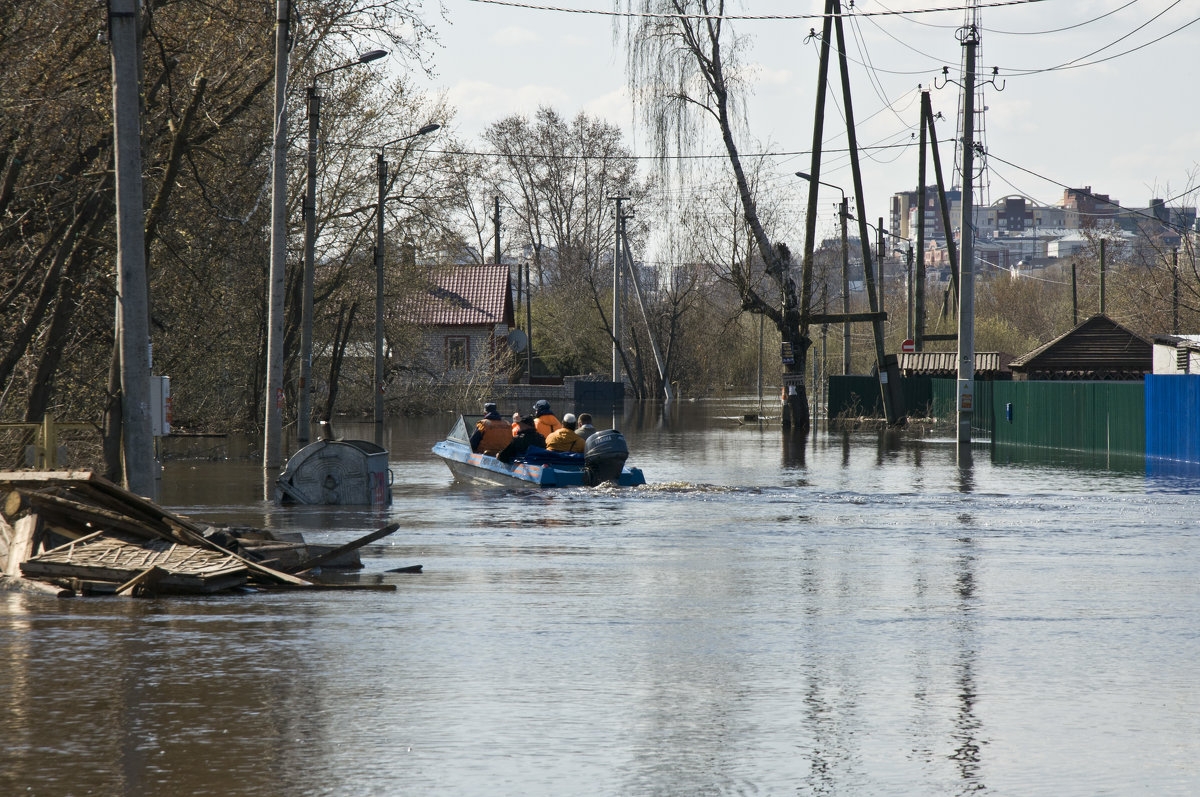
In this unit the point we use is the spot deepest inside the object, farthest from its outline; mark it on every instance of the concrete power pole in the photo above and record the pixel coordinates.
(616, 311)
(273, 400)
(304, 400)
(133, 300)
(966, 292)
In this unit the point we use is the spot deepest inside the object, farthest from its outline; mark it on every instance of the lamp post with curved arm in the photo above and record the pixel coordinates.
(381, 172)
(843, 216)
(304, 392)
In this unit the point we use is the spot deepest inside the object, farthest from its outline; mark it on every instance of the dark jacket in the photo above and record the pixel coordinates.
(524, 440)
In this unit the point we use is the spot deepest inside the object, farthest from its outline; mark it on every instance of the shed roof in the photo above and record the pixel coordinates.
(1099, 348)
(465, 296)
(934, 363)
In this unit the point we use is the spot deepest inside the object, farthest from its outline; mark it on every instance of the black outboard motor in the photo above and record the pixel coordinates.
(604, 454)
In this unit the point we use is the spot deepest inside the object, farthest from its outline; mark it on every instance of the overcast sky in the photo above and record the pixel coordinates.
(1099, 93)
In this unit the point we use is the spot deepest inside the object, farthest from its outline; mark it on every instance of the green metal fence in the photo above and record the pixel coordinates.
(945, 405)
(1072, 416)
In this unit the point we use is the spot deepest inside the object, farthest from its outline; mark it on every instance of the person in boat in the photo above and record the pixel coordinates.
(565, 439)
(584, 428)
(516, 423)
(544, 419)
(527, 438)
(492, 433)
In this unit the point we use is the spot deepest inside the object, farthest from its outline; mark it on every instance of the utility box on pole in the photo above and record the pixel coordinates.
(160, 406)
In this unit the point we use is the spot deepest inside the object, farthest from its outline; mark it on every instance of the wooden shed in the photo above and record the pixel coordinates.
(1098, 349)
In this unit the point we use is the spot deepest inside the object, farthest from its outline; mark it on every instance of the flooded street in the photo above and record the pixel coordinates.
(858, 614)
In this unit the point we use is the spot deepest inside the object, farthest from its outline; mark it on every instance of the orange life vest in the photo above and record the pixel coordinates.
(496, 435)
(547, 424)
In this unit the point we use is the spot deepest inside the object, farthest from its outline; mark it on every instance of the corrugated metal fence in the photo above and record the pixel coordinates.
(1071, 416)
(1076, 416)
(1173, 417)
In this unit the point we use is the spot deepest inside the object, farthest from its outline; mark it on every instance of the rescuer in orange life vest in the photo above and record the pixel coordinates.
(544, 419)
(492, 433)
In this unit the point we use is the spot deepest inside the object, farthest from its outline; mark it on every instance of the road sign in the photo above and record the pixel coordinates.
(908, 346)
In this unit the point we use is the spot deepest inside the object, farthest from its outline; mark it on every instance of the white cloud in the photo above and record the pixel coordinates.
(614, 107)
(763, 75)
(513, 36)
(480, 103)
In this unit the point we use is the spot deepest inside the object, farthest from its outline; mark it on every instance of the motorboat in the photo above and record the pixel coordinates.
(603, 462)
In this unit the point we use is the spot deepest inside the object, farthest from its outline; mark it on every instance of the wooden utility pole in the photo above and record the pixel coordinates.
(1175, 291)
(889, 377)
(919, 332)
(496, 228)
(133, 295)
(844, 212)
(1102, 274)
(944, 206)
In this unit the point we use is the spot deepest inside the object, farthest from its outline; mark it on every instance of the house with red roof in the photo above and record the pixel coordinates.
(465, 317)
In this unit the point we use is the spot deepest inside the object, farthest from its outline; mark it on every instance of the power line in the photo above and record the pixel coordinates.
(1075, 63)
(750, 17)
(1103, 199)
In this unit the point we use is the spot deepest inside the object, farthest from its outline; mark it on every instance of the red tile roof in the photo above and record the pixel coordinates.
(466, 296)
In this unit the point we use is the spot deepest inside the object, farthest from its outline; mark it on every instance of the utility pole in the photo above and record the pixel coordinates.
(918, 335)
(966, 291)
(908, 283)
(304, 399)
(1074, 296)
(668, 392)
(496, 227)
(1102, 274)
(616, 311)
(879, 248)
(133, 299)
(844, 212)
(381, 172)
(893, 413)
(529, 319)
(1175, 291)
(273, 400)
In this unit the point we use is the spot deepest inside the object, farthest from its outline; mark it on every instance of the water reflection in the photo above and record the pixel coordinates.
(849, 612)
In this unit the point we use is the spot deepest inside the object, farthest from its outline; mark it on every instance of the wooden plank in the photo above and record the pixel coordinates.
(145, 578)
(96, 516)
(261, 569)
(350, 546)
(21, 546)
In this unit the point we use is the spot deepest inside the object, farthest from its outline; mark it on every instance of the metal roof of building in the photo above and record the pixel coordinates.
(465, 296)
(933, 363)
(1097, 348)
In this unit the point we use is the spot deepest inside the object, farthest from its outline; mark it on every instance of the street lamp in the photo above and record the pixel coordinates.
(843, 215)
(304, 409)
(381, 171)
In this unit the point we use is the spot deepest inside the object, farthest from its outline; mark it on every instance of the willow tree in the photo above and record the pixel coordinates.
(682, 64)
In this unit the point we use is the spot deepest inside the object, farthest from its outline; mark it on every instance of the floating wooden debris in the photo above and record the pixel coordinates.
(76, 531)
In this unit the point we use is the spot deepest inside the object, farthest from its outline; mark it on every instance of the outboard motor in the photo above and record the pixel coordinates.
(604, 454)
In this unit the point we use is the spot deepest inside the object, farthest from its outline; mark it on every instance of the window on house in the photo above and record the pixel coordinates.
(458, 353)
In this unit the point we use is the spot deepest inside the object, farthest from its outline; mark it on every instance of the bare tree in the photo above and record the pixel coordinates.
(683, 68)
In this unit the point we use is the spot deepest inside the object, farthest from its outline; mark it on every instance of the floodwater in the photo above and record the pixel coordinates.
(862, 613)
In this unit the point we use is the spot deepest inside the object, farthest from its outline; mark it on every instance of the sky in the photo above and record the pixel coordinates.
(1099, 93)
